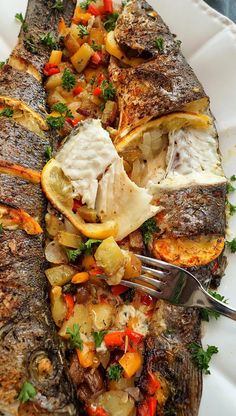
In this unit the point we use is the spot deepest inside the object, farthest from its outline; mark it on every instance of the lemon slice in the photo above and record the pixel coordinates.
(58, 189)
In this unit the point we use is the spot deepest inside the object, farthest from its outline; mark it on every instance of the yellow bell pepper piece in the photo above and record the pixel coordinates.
(131, 363)
(55, 57)
(88, 262)
(86, 356)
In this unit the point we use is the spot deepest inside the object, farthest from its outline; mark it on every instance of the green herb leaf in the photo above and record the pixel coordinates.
(159, 44)
(58, 5)
(48, 153)
(90, 243)
(110, 22)
(83, 31)
(148, 228)
(95, 46)
(98, 338)
(1, 229)
(179, 42)
(202, 357)
(114, 372)
(56, 122)
(62, 109)
(231, 207)
(229, 188)
(108, 90)
(75, 338)
(92, 80)
(232, 245)
(206, 314)
(48, 39)
(19, 17)
(73, 254)
(85, 4)
(27, 392)
(6, 112)
(233, 178)
(2, 63)
(29, 44)
(68, 80)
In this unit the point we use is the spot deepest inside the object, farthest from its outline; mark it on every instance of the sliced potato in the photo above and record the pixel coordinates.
(68, 239)
(53, 81)
(81, 58)
(71, 43)
(60, 275)
(55, 253)
(53, 224)
(117, 403)
(80, 316)
(121, 384)
(109, 256)
(102, 314)
(88, 214)
(58, 305)
(133, 266)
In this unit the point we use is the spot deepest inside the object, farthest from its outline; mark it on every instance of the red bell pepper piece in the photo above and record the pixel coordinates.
(148, 407)
(50, 69)
(70, 305)
(108, 6)
(119, 289)
(114, 339)
(72, 121)
(146, 299)
(96, 58)
(76, 204)
(101, 77)
(153, 383)
(99, 411)
(95, 271)
(94, 10)
(97, 91)
(133, 336)
(77, 90)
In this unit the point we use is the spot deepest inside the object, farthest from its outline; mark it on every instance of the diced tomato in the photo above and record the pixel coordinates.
(97, 91)
(96, 58)
(146, 299)
(50, 69)
(148, 407)
(94, 10)
(135, 337)
(99, 411)
(153, 383)
(77, 90)
(108, 6)
(101, 77)
(119, 289)
(114, 339)
(72, 121)
(70, 305)
(95, 271)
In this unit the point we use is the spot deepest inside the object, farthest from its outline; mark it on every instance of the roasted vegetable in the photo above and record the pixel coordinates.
(60, 275)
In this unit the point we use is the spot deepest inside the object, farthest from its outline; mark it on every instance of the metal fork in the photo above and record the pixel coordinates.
(176, 285)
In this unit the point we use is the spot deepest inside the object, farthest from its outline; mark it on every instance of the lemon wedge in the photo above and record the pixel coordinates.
(58, 190)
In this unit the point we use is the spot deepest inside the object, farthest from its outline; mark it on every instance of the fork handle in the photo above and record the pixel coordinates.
(205, 300)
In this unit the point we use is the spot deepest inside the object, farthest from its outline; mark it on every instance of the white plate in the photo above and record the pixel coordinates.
(209, 44)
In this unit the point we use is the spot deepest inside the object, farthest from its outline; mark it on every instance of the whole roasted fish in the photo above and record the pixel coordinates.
(32, 364)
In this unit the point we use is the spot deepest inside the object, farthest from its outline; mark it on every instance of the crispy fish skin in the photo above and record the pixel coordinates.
(193, 211)
(40, 19)
(16, 141)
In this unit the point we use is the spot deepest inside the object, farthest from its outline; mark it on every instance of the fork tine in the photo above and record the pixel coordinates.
(134, 285)
(153, 272)
(154, 262)
(154, 282)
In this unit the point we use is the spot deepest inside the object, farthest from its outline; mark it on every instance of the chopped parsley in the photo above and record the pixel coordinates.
(98, 338)
(114, 372)
(108, 90)
(90, 243)
(62, 109)
(148, 228)
(95, 46)
(48, 39)
(159, 44)
(230, 188)
(83, 31)
(1, 229)
(68, 80)
(58, 5)
(201, 357)
(29, 44)
(206, 314)
(48, 152)
(2, 63)
(232, 245)
(20, 18)
(56, 122)
(73, 254)
(85, 4)
(110, 22)
(231, 207)
(75, 338)
(27, 392)
(233, 178)
(92, 80)
(6, 112)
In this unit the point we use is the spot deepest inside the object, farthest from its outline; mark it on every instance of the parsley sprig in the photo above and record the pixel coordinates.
(6, 112)
(110, 22)
(231, 208)
(148, 228)
(159, 44)
(232, 245)
(58, 5)
(108, 90)
(1, 229)
(90, 244)
(75, 338)
(83, 31)
(56, 122)
(207, 314)
(98, 338)
(48, 153)
(95, 46)
(19, 17)
(86, 247)
(27, 392)
(48, 39)
(62, 109)
(29, 44)
(114, 372)
(201, 357)
(68, 80)
(85, 4)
